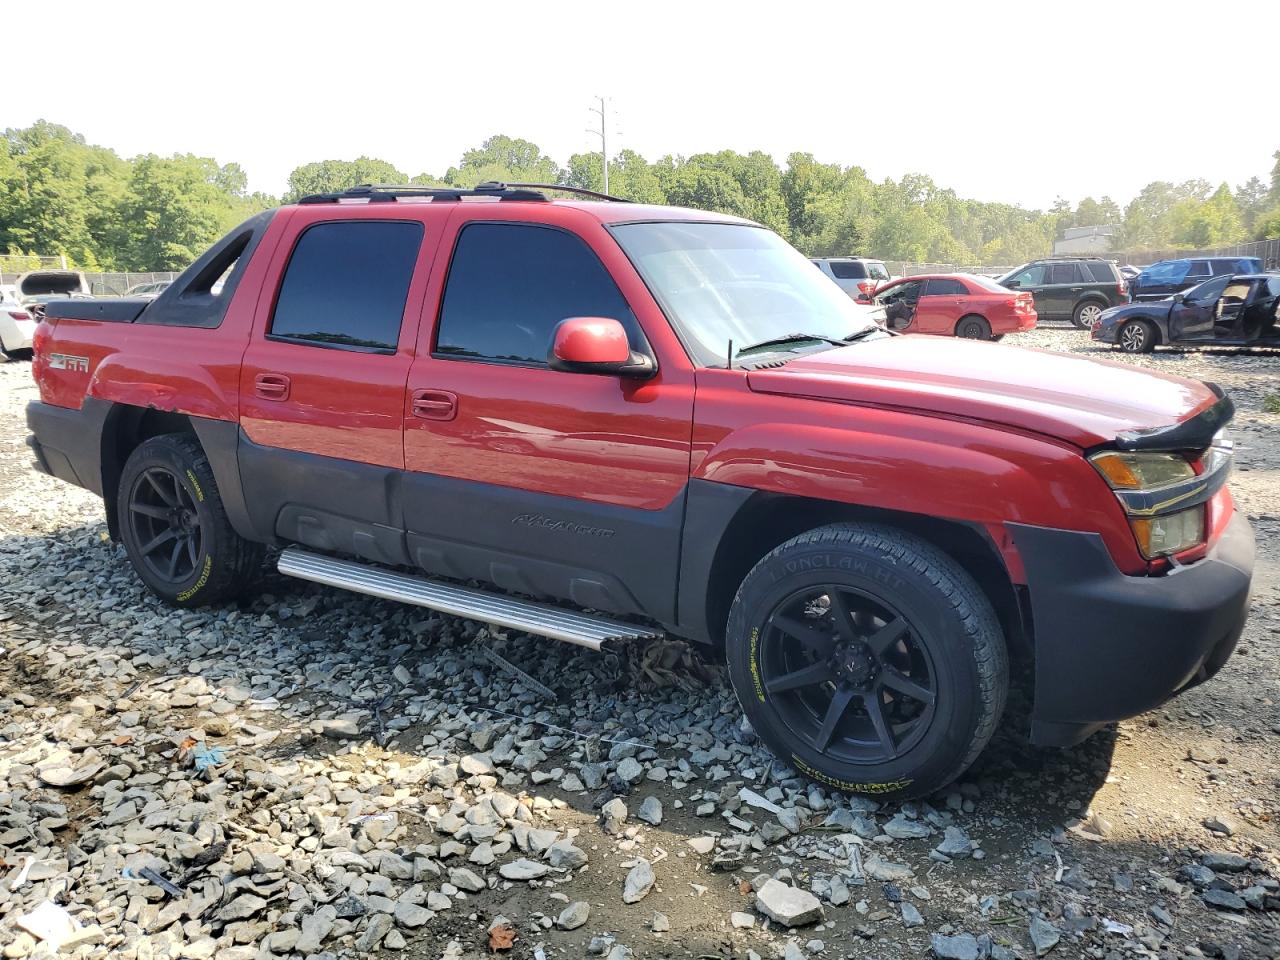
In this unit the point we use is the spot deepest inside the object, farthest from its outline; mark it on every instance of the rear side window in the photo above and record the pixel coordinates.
(510, 284)
(1199, 268)
(1064, 273)
(944, 287)
(1220, 267)
(1102, 272)
(346, 285)
(848, 270)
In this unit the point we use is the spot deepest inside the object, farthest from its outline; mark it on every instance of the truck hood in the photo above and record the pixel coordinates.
(1081, 401)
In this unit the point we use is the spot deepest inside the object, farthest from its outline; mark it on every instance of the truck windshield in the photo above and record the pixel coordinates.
(727, 281)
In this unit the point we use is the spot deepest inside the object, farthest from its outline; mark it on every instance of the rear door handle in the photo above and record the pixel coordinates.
(434, 404)
(271, 386)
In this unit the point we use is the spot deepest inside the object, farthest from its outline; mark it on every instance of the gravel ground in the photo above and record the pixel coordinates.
(314, 773)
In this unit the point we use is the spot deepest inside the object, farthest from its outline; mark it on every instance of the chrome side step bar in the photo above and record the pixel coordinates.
(498, 609)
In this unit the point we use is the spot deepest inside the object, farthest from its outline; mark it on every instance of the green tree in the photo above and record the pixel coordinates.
(334, 176)
(504, 159)
(173, 209)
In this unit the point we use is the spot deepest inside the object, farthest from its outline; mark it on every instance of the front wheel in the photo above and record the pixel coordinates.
(1136, 336)
(175, 528)
(868, 659)
(1087, 315)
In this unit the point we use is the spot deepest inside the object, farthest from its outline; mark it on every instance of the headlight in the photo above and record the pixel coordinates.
(1141, 471)
(1172, 533)
(1163, 495)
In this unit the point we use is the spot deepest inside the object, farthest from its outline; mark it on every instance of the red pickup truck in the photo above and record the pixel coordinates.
(597, 420)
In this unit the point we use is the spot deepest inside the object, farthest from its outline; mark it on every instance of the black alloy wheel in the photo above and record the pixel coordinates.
(165, 524)
(847, 674)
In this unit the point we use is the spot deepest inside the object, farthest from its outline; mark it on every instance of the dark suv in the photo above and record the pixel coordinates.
(1167, 277)
(1070, 288)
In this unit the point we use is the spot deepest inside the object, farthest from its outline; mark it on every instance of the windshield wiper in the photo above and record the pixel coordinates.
(792, 338)
(859, 334)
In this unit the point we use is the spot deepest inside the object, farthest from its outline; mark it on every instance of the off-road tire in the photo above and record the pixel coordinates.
(225, 563)
(946, 610)
(973, 327)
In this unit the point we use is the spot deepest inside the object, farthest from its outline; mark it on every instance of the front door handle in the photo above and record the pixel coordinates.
(434, 404)
(1076, 289)
(271, 386)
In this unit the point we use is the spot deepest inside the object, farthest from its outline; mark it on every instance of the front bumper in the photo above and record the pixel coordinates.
(1110, 646)
(1105, 330)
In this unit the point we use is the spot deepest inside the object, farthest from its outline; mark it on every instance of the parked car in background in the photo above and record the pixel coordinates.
(37, 287)
(16, 329)
(1070, 288)
(1236, 310)
(854, 275)
(1128, 271)
(955, 304)
(1164, 278)
(148, 291)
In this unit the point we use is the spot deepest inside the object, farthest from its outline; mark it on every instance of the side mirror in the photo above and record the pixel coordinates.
(863, 298)
(1012, 284)
(595, 345)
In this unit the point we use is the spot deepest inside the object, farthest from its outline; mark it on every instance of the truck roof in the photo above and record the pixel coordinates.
(603, 207)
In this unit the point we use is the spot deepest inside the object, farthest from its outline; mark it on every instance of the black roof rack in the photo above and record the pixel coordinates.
(389, 193)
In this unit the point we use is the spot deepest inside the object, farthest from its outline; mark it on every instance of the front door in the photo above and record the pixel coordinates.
(900, 301)
(322, 381)
(1193, 316)
(568, 485)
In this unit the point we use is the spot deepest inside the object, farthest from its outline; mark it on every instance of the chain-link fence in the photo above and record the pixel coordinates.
(100, 284)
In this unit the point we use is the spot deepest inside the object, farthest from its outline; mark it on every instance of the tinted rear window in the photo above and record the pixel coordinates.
(848, 270)
(346, 285)
(1102, 272)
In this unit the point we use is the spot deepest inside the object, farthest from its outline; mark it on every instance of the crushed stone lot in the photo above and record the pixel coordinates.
(318, 774)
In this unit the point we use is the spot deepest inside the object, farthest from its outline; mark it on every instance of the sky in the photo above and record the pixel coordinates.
(1020, 102)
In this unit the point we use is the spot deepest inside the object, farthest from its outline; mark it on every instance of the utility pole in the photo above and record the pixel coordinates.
(603, 134)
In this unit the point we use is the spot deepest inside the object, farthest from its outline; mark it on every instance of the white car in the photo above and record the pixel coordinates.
(856, 276)
(16, 330)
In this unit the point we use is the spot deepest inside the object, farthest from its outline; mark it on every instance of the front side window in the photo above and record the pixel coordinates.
(1033, 276)
(907, 292)
(721, 282)
(346, 285)
(510, 285)
(1167, 271)
(1208, 291)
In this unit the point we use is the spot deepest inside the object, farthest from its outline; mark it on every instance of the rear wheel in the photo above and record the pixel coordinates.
(868, 659)
(1087, 314)
(175, 528)
(1136, 336)
(973, 328)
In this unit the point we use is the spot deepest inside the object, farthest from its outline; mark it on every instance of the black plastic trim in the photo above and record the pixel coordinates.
(107, 310)
(1194, 433)
(710, 509)
(69, 442)
(189, 301)
(1110, 646)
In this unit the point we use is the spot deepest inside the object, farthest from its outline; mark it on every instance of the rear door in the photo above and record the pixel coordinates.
(322, 382)
(544, 482)
(943, 301)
